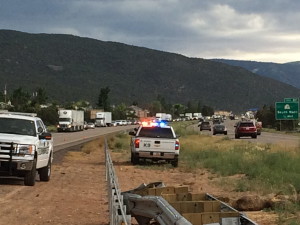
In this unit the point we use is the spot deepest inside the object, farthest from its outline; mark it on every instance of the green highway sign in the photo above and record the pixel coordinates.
(291, 100)
(287, 110)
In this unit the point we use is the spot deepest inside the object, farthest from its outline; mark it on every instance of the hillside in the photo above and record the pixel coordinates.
(287, 72)
(72, 68)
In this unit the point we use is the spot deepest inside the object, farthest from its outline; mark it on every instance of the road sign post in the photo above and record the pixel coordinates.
(287, 110)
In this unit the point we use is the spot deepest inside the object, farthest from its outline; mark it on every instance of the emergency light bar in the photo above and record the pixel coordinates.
(154, 124)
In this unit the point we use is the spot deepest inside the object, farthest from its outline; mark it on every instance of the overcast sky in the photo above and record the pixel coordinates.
(258, 30)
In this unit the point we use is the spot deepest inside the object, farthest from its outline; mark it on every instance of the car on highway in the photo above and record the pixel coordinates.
(244, 129)
(90, 125)
(205, 125)
(219, 129)
(119, 122)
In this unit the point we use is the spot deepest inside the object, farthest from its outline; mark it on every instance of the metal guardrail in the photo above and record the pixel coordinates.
(148, 208)
(145, 209)
(117, 210)
(244, 220)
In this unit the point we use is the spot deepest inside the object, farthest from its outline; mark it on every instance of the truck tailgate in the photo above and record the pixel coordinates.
(157, 144)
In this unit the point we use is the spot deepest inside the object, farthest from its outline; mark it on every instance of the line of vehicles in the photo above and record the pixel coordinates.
(73, 120)
(246, 126)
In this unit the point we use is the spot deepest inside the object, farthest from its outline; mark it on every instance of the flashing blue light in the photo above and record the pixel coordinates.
(162, 124)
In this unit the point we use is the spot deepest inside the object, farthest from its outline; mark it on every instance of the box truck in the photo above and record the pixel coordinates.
(103, 119)
(70, 120)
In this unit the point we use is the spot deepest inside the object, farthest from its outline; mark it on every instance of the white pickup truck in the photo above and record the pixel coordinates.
(25, 147)
(155, 141)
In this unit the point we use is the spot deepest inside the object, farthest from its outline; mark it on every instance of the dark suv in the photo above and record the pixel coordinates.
(205, 125)
(245, 128)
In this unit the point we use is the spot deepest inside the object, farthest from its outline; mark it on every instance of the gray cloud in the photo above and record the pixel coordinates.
(245, 29)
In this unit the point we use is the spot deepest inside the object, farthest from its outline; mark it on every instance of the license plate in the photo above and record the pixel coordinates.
(147, 145)
(156, 153)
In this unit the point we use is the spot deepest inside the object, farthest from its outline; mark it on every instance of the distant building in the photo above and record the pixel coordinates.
(138, 112)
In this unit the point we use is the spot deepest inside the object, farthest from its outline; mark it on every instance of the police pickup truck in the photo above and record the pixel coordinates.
(155, 141)
(25, 147)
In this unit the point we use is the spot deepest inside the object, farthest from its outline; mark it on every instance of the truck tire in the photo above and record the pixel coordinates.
(45, 172)
(174, 163)
(254, 136)
(237, 136)
(29, 179)
(134, 159)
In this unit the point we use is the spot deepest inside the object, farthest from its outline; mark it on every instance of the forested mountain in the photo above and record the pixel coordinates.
(72, 68)
(287, 72)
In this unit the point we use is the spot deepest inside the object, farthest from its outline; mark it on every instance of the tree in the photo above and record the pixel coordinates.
(120, 112)
(155, 107)
(103, 99)
(49, 115)
(207, 110)
(41, 96)
(20, 100)
(178, 109)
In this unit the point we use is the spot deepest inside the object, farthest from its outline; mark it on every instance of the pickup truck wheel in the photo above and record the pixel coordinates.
(237, 136)
(134, 159)
(254, 136)
(45, 172)
(175, 163)
(29, 179)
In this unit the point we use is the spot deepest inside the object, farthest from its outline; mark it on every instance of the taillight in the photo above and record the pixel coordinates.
(177, 145)
(137, 143)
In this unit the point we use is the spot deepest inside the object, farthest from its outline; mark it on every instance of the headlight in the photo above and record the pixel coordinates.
(69, 126)
(26, 149)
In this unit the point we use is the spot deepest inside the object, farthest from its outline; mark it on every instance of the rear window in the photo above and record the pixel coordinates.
(247, 124)
(205, 123)
(156, 132)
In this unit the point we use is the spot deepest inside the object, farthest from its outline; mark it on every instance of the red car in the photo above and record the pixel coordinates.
(245, 128)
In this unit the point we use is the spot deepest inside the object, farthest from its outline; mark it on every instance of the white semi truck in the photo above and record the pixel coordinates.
(103, 119)
(70, 120)
(163, 116)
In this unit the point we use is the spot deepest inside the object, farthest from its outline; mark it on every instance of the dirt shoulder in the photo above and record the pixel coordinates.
(200, 181)
(76, 194)
(77, 191)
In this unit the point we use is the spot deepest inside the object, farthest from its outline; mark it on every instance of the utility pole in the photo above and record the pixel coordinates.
(5, 93)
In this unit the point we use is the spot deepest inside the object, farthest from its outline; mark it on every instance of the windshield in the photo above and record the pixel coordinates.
(156, 132)
(250, 124)
(17, 126)
(64, 119)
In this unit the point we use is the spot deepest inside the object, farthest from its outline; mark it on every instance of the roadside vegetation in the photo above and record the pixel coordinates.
(265, 169)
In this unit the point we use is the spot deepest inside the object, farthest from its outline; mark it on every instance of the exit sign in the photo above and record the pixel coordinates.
(287, 110)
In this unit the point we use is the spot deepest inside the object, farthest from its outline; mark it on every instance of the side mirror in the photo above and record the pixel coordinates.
(135, 129)
(46, 136)
(132, 133)
(40, 130)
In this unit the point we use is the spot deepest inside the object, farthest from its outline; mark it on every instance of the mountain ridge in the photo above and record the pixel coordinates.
(72, 68)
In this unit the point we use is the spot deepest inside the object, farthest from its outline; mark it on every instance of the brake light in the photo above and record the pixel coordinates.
(137, 143)
(177, 145)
